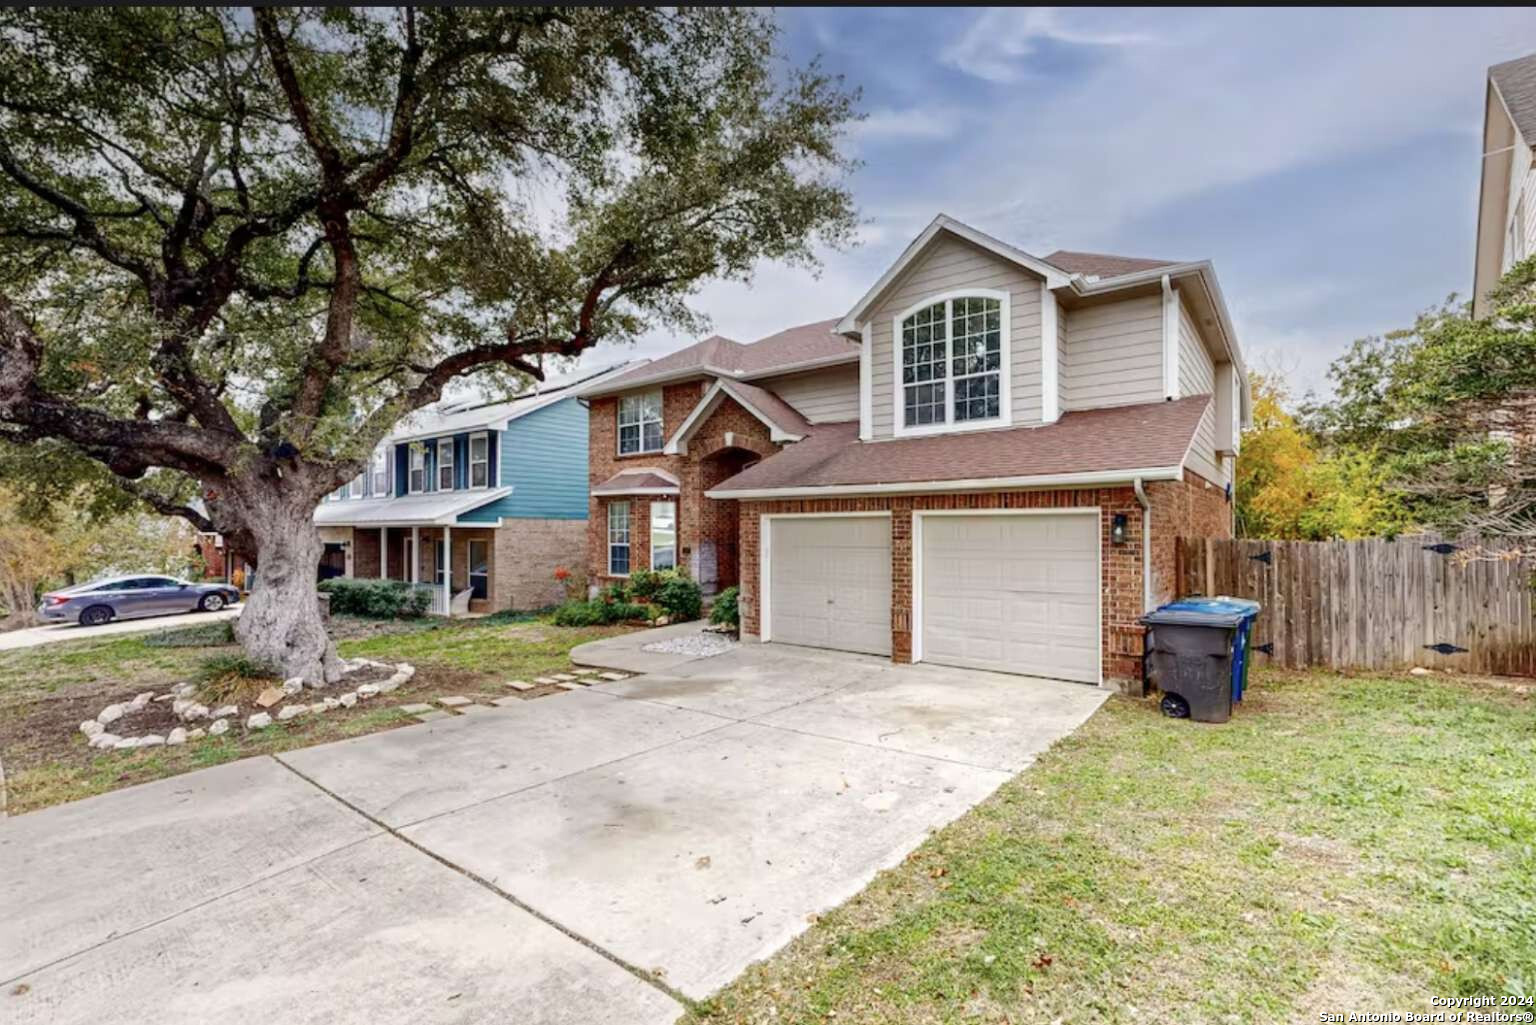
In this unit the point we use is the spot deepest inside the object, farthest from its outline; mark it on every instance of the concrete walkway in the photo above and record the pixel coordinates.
(54, 633)
(599, 855)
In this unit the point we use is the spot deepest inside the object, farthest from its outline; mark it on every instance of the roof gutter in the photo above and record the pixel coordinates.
(1146, 544)
(1048, 480)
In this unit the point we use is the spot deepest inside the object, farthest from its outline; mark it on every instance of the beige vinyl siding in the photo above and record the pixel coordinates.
(828, 395)
(1197, 376)
(1114, 354)
(1062, 402)
(950, 265)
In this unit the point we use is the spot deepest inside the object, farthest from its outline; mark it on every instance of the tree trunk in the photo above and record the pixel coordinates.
(281, 622)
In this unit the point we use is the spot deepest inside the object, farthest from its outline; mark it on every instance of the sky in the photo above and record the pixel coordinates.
(1327, 161)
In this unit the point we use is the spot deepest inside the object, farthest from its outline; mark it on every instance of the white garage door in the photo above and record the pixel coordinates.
(1013, 593)
(829, 583)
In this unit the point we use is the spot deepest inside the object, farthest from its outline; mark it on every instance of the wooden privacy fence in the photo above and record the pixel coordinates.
(1374, 604)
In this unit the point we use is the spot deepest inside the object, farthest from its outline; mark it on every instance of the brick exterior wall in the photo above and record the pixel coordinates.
(1179, 508)
(525, 556)
(706, 528)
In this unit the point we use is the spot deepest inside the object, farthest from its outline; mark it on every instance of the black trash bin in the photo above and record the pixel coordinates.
(1197, 655)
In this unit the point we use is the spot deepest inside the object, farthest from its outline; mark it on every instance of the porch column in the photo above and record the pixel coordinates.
(447, 569)
(415, 554)
(383, 553)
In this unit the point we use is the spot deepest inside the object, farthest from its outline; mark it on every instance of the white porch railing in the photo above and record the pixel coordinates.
(439, 598)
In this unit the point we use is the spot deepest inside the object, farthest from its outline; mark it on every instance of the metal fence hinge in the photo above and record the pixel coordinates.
(1263, 557)
(1444, 649)
(1442, 548)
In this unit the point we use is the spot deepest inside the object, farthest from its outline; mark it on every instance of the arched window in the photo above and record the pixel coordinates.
(952, 362)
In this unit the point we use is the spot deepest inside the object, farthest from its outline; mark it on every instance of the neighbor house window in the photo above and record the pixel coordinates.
(479, 460)
(618, 539)
(445, 464)
(418, 481)
(952, 362)
(663, 535)
(379, 470)
(640, 423)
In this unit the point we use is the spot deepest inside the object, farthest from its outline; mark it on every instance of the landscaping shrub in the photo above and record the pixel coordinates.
(614, 593)
(680, 598)
(727, 609)
(223, 667)
(597, 613)
(646, 583)
(376, 599)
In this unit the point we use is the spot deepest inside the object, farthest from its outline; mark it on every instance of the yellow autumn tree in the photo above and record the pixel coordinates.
(1287, 488)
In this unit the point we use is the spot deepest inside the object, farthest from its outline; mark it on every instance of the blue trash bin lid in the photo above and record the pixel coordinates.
(1220, 611)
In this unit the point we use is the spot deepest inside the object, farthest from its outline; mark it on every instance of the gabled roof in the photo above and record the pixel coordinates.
(455, 416)
(1117, 443)
(797, 348)
(1516, 82)
(1054, 276)
(640, 480)
(435, 509)
(783, 421)
(1102, 265)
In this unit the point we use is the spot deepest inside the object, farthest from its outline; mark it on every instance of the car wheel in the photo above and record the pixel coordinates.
(211, 602)
(96, 615)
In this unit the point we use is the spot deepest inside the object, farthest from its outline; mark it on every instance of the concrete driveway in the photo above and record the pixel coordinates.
(53, 633)
(592, 856)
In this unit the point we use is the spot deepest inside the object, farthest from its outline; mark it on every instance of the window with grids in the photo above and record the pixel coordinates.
(618, 539)
(418, 479)
(479, 460)
(952, 362)
(445, 464)
(640, 423)
(379, 470)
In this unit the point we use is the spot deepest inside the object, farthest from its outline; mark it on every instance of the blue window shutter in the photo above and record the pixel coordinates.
(492, 469)
(461, 461)
(402, 469)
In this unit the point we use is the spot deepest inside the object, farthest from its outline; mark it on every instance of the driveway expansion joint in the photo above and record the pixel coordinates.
(638, 972)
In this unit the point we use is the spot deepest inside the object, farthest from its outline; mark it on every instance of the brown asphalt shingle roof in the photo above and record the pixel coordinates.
(636, 480)
(1516, 81)
(790, 347)
(784, 416)
(1153, 434)
(1102, 265)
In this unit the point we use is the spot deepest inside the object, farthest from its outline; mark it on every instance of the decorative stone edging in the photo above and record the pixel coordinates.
(218, 719)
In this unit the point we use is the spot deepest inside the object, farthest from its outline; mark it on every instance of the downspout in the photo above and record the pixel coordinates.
(1146, 544)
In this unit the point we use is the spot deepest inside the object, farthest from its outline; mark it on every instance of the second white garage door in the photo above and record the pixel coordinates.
(1014, 593)
(829, 582)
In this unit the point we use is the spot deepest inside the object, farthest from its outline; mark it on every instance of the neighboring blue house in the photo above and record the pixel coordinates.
(483, 501)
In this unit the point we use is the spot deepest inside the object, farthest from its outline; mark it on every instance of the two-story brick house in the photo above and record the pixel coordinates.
(986, 462)
(474, 497)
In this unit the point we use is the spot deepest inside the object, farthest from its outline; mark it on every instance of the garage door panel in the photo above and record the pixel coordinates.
(829, 583)
(1013, 593)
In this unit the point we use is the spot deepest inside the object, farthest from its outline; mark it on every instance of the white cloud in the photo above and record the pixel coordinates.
(913, 123)
(998, 44)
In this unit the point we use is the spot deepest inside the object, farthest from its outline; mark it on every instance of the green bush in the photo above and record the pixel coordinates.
(376, 599)
(597, 613)
(614, 593)
(726, 609)
(646, 583)
(221, 667)
(680, 598)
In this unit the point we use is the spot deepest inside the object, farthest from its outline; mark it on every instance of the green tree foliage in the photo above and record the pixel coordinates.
(236, 246)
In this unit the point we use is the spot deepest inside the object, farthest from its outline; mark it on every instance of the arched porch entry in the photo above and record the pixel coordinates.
(719, 560)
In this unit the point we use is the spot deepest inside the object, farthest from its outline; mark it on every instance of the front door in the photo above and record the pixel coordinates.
(480, 569)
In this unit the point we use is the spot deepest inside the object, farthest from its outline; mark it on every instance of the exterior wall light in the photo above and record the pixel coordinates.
(1117, 529)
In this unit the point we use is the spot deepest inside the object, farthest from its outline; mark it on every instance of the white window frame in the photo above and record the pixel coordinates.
(416, 463)
(660, 421)
(652, 535)
(627, 543)
(484, 438)
(1005, 366)
(378, 465)
(355, 486)
(444, 445)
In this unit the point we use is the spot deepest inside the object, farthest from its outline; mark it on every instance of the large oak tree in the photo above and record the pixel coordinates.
(236, 246)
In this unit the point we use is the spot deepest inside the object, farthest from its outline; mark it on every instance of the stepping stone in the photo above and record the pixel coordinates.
(564, 677)
(519, 685)
(476, 709)
(570, 686)
(436, 713)
(585, 671)
(615, 677)
(546, 681)
(454, 702)
(415, 709)
(509, 700)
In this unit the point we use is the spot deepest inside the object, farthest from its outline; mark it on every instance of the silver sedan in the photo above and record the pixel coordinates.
(102, 601)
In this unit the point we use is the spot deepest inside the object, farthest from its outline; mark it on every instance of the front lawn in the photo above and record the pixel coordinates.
(46, 692)
(1344, 844)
